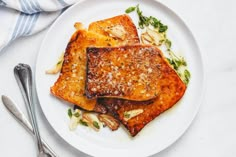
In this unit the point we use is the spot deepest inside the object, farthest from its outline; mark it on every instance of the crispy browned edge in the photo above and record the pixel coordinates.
(133, 93)
(66, 71)
(95, 26)
(172, 90)
(124, 20)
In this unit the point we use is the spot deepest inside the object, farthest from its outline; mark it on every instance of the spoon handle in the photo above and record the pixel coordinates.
(23, 76)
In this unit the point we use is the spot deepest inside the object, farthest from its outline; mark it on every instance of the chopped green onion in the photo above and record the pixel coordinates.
(162, 28)
(96, 125)
(168, 44)
(83, 122)
(126, 115)
(145, 21)
(59, 62)
(130, 9)
(174, 60)
(187, 76)
(76, 114)
(69, 112)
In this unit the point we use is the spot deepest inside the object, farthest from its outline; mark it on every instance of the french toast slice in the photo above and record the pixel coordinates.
(71, 82)
(128, 72)
(135, 115)
(70, 85)
(119, 27)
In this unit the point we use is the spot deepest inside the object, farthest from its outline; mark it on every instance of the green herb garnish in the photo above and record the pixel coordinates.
(145, 21)
(176, 61)
(59, 62)
(69, 112)
(168, 44)
(126, 115)
(162, 28)
(76, 114)
(157, 24)
(187, 76)
(83, 122)
(130, 9)
(96, 125)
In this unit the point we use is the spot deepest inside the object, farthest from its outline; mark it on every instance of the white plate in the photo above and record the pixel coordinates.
(157, 135)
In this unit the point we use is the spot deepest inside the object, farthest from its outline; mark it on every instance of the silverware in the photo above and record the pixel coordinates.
(23, 75)
(21, 118)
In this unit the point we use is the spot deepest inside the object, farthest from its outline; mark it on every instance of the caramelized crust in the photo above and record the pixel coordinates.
(115, 31)
(119, 27)
(70, 85)
(126, 72)
(171, 90)
(71, 82)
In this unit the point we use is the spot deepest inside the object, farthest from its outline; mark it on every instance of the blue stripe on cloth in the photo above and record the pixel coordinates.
(23, 6)
(18, 26)
(32, 4)
(29, 9)
(63, 3)
(36, 3)
(31, 25)
(24, 25)
(29, 3)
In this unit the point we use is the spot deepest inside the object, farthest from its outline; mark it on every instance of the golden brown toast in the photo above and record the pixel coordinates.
(119, 27)
(126, 72)
(135, 115)
(71, 82)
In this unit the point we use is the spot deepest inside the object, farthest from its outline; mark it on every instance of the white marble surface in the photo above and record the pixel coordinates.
(212, 133)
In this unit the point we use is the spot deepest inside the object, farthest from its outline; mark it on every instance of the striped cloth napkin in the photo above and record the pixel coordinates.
(25, 17)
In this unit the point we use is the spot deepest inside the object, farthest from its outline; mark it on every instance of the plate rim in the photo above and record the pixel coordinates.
(187, 126)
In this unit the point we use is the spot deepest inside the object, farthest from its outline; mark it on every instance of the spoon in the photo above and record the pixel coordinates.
(23, 76)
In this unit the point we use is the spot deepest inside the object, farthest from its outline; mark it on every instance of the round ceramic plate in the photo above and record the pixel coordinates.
(158, 134)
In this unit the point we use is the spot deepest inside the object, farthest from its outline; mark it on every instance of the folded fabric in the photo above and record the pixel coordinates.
(26, 17)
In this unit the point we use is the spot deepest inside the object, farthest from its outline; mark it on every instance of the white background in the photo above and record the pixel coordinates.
(212, 133)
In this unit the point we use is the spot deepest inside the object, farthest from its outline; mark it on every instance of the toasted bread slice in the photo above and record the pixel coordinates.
(71, 82)
(135, 115)
(119, 27)
(125, 72)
